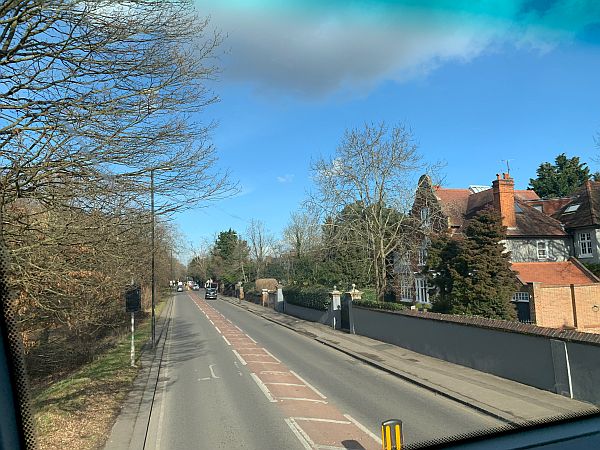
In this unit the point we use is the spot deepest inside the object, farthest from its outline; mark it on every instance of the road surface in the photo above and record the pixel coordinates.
(230, 379)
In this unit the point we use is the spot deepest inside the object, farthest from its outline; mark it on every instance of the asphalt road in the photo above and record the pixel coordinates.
(209, 397)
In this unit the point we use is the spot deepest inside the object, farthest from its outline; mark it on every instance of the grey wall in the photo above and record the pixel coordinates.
(312, 315)
(525, 250)
(520, 357)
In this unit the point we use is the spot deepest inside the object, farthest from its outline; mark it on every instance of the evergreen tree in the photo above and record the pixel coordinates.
(229, 258)
(560, 179)
(473, 275)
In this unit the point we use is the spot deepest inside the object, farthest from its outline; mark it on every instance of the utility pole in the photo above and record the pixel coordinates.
(152, 264)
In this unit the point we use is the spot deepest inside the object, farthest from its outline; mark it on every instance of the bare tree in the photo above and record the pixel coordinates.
(302, 233)
(372, 177)
(106, 90)
(261, 243)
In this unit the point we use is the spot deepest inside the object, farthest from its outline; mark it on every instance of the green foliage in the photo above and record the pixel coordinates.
(560, 179)
(374, 304)
(228, 258)
(593, 267)
(473, 275)
(314, 297)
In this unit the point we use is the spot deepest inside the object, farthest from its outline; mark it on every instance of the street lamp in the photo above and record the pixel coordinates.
(153, 251)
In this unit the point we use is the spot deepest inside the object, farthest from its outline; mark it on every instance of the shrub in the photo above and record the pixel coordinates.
(386, 306)
(314, 297)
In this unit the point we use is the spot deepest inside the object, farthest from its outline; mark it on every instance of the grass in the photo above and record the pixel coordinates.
(78, 411)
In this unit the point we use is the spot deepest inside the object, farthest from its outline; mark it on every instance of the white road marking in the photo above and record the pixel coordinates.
(239, 357)
(228, 343)
(239, 328)
(287, 384)
(271, 355)
(217, 328)
(314, 419)
(204, 379)
(307, 444)
(251, 339)
(263, 362)
(212, 371)
(316, 391)
(363, 428)
(275, 372)
(303, 399)
(262, 387)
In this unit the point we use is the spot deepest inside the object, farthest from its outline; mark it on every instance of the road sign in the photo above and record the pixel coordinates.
(133, 298)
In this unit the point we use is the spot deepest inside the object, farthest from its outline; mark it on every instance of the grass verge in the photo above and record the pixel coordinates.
(78, 412)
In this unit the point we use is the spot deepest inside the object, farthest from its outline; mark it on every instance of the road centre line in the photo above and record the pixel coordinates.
(308, 384)
(271, 355)
(263, 388)
(315, 419)
(239, 356)
(363, 428)
(307, 444)
(303, 399)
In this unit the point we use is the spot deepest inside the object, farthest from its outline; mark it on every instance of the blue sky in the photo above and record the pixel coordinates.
(514, 80)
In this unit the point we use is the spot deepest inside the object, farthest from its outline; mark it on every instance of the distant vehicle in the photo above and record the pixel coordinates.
(179, 288)
(211, 293)
(195, 287)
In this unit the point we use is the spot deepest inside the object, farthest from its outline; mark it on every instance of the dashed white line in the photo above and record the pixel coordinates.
(217, 328)
(314, 419)
(271, 355)
(305, 441)
(239, 357)
(316, 391)
(303, 399)
(239, 328)
(228, 343)
(362, 427)
(263, 388)
(286, 384)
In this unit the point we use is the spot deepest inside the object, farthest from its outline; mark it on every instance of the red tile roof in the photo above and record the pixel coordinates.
(557, 273)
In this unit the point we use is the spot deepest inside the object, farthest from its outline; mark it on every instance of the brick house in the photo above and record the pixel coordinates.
(534, 232)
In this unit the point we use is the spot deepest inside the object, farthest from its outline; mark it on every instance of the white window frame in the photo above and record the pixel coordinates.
(584, 241)
(422, 256)
(425, 216)
(421, 290)
(520, 297)
(544, 256)
(406, 288)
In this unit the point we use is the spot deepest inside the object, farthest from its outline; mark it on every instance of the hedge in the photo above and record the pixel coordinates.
(314, 297)
(387, 306)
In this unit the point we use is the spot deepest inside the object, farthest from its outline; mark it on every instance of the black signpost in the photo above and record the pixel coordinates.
(133, 303)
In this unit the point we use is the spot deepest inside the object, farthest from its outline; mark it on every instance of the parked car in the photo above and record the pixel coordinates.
(211, 293)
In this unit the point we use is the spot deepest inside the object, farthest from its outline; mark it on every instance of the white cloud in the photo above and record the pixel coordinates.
(317, 51)
(287, 178)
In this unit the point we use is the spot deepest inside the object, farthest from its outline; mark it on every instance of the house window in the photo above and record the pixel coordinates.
(425, 217)
(585, 244)
(542, 250)
(405, 288)
(520, 297)
(421, 290)
(422, 256)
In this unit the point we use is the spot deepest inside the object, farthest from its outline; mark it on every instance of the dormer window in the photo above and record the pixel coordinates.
(571, 209)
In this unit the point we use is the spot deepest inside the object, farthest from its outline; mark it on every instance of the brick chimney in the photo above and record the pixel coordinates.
(504, 199)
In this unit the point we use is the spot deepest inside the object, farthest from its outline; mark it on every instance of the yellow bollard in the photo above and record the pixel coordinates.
(391, 434)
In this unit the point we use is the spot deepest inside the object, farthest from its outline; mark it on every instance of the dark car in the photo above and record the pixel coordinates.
(211, 293)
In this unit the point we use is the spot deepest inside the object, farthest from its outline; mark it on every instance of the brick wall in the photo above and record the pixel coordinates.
(572, 306)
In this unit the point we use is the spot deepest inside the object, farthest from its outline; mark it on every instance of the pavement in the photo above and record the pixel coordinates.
(506, 400)
(129, 430)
